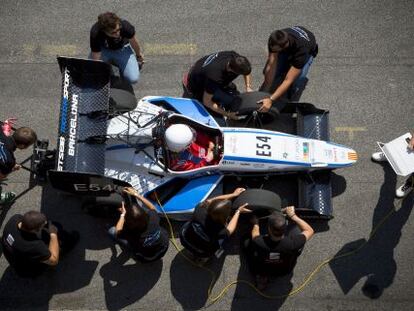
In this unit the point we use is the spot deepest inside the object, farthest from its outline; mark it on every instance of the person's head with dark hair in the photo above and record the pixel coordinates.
(219, 210)
(240, 65)
(278, 41)
(24, 137)
(33, 221)
(110, 23)
(276, 224)
(136, 218)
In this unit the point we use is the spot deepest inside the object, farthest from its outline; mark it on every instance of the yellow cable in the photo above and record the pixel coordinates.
(294, 291)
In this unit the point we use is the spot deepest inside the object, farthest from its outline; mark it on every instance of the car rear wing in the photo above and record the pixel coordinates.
(85, 183)
(83, 115)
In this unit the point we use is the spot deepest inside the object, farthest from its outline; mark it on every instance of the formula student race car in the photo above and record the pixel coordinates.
(107, 140)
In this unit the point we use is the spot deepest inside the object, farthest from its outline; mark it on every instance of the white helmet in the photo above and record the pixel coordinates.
(178, 137)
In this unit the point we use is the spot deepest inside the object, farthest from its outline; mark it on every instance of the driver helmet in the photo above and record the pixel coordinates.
(178, 137)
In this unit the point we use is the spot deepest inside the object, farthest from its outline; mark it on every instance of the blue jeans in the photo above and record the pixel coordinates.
(112, 234)
(282, 69)
(125, 60)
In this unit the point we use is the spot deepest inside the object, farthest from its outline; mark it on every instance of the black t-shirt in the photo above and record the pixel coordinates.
(24, 250)
(205, 233)
(149, 242)
(302, 45)
(99, 39)
(7, 147)
(210, 73)
(276, 257)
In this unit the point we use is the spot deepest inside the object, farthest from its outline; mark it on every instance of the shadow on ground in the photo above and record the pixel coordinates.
(375, 260)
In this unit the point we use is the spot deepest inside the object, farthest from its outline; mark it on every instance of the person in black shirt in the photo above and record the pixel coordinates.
(138, 229)
(31, 244)
(113, 40)
(275, 253)
(22, 138)
(291, 53)
(206, 233)
(210, 79)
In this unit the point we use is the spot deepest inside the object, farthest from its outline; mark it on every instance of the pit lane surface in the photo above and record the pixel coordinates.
(363, 75)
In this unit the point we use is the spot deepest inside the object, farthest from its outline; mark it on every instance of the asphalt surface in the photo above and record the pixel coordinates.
(363, 74)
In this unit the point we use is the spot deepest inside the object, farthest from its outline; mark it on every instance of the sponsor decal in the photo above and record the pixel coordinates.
(285, 155)
(352, 156)
(72, 125)
(226, 162)
(305, 148)
(93, 187)
(64, 108)
(262, 147)
(258, 165)
(61, 154)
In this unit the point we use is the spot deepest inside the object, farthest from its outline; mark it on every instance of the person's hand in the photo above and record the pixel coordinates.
(266, 104)
(411, 142)
(131, 191)
(238, 191)
(210, 155)
(122, 210)
(242, 209)
(16, 167)
(140, 60)
(232, 115)
(289, 211)
(53, 229)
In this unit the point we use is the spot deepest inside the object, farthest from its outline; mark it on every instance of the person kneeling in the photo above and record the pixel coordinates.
(276, 252)
(209, 228)
(189, 149)
(31, 243)
(138, 229)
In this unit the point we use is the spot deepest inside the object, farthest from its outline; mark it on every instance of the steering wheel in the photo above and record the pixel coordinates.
(218, 149)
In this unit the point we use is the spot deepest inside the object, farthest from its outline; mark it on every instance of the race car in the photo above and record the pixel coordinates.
(106, 140)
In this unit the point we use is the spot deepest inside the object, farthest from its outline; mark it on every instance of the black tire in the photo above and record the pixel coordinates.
(105, 207)
(261, 202)
(121, 100)
(248, 105)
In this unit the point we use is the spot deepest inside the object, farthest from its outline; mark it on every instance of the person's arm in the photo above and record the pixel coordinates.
(255, 229)
(146, 202)
(53, 248)
(140, 197)
(121, 221)
(231, 226)
(269, 70)
(248, 82)
(137, 49)
(306, 229)
(229, 196)
(208, 102)
(291, 76)
(96, 55)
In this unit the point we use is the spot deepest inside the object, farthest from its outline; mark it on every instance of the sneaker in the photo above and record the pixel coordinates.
(7, 198)
(404, 189)
(378, 157)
